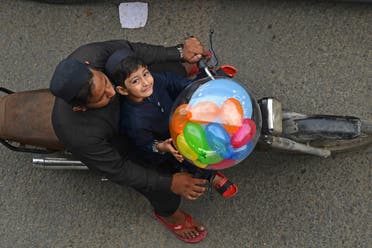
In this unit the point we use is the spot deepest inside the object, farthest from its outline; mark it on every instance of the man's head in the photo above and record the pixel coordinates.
(81, 86)
(133, 79)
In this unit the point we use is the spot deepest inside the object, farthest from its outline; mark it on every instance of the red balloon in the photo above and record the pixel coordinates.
(244, 134)
(226, 163)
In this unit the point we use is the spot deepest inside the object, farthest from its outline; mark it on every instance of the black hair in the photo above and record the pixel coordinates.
(81, 99)
(126, 67)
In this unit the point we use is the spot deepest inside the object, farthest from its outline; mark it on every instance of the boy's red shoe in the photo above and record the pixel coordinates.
(225, 187)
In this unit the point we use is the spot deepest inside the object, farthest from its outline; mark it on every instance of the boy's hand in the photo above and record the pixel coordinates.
(166, 146)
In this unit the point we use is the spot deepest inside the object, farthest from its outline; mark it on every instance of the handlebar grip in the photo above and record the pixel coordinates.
(202, 64)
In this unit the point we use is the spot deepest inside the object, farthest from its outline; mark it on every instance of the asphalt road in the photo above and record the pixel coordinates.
(314, 56)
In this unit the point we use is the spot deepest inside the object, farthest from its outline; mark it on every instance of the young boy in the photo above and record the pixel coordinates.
(146, 104)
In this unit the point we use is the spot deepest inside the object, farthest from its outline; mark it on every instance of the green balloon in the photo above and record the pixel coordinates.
(196, 139)
(210, 157)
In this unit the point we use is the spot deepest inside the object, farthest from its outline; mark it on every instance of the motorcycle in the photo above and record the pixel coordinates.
(25, 126)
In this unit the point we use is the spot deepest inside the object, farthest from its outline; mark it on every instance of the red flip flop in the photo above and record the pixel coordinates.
(225, 187)
(177, 227)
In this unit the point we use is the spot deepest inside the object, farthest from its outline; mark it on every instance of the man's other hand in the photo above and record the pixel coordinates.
(185, 185)
(193, 50)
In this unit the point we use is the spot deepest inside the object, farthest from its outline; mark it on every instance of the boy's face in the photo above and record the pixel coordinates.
(138, 85)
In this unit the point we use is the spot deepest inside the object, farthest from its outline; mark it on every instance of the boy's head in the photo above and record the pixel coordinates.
(133, 79)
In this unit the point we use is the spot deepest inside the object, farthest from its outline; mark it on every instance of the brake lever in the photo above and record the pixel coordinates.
(212, 61)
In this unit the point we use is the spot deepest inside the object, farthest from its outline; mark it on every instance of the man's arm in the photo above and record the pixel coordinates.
(116, 167)
(97, 53)
(190, 51)
(105, 159)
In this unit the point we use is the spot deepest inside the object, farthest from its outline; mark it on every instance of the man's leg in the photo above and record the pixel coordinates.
(166, 205)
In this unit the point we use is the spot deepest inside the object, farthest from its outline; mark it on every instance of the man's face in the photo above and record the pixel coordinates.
(139, 85)
(102, 90)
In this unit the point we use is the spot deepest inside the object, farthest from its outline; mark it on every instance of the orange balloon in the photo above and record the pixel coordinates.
(204, 112)
(179, 119)
(231, 115)
(173, 136)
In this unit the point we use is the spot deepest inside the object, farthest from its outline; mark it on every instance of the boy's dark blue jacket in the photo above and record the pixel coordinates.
(148, 121)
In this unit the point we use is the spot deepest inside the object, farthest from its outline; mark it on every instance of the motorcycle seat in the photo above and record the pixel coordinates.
(25, 118)
(326, 127)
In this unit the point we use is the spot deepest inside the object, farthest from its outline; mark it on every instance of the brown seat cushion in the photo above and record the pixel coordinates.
(25, 117)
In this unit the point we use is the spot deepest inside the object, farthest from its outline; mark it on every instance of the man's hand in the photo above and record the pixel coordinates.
(185, 185)
(193, 50)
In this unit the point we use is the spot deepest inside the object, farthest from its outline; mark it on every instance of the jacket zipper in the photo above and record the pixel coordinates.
(158, 104)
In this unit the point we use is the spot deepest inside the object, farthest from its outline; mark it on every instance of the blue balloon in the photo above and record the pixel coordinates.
(218, 139)
(242, 152)
(219, 90)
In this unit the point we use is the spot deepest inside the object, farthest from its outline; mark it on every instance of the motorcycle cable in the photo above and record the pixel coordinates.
(213, 60)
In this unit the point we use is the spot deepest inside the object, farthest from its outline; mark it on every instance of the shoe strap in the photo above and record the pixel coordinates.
(224, 187)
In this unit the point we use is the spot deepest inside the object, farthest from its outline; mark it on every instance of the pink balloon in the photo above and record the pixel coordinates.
(226, 163)
(245, 133)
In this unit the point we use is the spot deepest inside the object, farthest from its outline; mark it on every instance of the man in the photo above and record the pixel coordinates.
(85, 119)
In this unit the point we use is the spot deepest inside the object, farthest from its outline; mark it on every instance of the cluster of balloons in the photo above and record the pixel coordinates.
(211, 124)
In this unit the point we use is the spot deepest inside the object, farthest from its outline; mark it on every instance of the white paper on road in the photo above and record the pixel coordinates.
(133, 14)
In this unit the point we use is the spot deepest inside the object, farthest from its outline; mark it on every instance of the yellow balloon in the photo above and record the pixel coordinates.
(199, 164)
(185, 149)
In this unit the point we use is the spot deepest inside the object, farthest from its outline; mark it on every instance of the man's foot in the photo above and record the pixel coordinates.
(184, 227)
(224, 186)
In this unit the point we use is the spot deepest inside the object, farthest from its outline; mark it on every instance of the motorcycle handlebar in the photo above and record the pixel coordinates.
(202, 65)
